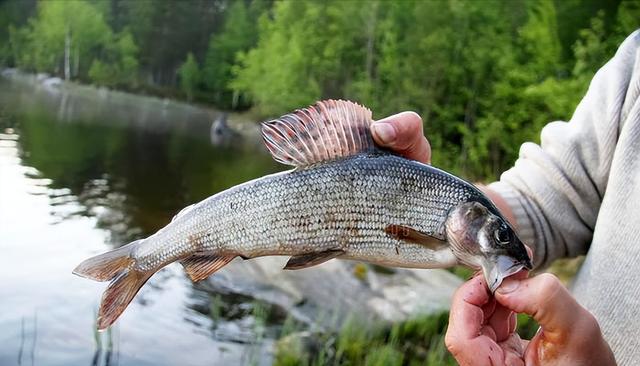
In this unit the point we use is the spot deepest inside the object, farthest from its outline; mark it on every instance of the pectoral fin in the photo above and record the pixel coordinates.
(312, 259)
(414, 236)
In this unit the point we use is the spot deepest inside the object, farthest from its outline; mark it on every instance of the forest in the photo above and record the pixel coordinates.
(484, 75)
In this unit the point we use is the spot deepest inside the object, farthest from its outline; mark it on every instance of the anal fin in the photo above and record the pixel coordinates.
(312, 259)
(414, 236)
(199, 267)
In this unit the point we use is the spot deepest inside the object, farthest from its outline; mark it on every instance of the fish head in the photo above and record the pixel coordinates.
(482, 238)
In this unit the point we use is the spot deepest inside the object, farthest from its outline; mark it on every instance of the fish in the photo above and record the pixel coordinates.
(344, 198)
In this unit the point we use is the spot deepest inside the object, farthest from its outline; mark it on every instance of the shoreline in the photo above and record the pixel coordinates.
(228, 124)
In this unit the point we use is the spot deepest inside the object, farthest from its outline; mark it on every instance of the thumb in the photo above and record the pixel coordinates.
(547, 301)
(403, 134)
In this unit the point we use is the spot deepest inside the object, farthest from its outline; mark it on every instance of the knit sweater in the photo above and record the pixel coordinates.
(578, 192)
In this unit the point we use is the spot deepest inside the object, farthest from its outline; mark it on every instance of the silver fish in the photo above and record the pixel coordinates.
(345, 199)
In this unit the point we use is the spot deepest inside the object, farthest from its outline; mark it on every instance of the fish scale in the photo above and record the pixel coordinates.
(345, 199)
(344, 204)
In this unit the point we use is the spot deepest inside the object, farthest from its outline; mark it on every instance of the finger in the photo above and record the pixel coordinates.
(513, 350)
(468, 339)
(488, 309)
(513, 322)
(403, 134)
(479, 352)
(500, 318)
(546, 300)
(500, 321)
(466, 317)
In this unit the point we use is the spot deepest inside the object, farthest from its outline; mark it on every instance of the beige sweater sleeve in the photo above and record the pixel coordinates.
(555, 189)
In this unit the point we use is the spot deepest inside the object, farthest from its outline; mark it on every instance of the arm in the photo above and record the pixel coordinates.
(555, 189)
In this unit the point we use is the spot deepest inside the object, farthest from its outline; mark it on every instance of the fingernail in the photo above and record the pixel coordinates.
(386, 133)
(508, 286)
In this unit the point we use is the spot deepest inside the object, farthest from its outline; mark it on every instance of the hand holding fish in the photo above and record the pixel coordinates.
(403, 134)
(482, 327)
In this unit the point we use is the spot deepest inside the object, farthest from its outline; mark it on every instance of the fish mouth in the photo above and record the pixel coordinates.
(495, 271)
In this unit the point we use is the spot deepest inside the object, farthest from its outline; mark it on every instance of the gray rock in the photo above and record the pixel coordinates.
(328, 294)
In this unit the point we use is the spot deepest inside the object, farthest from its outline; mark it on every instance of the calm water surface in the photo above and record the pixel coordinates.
(83, 171)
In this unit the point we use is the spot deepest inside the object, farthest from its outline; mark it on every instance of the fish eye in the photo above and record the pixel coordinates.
(502, 235)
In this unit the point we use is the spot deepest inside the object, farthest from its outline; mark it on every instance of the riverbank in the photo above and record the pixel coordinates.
(226, 125)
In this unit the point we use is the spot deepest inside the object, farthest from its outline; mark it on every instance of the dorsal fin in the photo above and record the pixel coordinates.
(327, 130)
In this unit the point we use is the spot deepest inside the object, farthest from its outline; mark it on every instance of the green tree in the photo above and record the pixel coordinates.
(305, 51)
(238, 34)
(189, 73)
(13, 14)
(627, 18)
(118, 64)
(485, 76)
(166, 31)
(63, 38)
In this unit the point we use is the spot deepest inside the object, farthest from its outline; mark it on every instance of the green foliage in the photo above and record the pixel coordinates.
(13, 14)
(592, 48)
(539, 39)
(119, 64)
(484, 75)
(527, 327)
(277, 65)
(189, 73)
(73, 39)
(238, 35)
(63, 28)
(627, 18)
(417, 341)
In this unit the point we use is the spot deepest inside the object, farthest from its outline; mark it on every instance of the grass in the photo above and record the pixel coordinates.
(413, 342)
(418, 341)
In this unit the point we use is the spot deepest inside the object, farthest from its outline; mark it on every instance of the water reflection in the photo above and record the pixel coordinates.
(83, 170)
(23, 355)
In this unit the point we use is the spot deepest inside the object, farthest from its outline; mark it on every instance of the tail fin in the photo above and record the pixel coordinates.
(117, 266)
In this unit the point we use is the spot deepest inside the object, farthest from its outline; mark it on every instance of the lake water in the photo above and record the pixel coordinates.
(83, 171)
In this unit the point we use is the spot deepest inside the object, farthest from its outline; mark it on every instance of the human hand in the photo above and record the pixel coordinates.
(403, 134)
(482, 327)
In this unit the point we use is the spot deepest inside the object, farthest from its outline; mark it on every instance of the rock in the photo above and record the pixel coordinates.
(9, 72)
(42, 76)
(330, 293)
(52, 83)
(221, 133)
